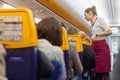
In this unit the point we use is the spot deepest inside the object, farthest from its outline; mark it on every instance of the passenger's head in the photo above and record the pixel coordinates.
(72, 30)
(63, 25)
(50, 28)
(90, 13)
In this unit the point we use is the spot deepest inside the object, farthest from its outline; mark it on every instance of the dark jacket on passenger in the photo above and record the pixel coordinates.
(45, 66)
(76, 67)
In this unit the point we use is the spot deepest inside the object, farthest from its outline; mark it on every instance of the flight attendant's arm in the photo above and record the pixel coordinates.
(106, 29)
(105, 33)
(104, 26)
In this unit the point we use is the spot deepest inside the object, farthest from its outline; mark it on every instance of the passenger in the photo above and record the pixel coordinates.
(50, 37)
(116, 67)
(63, 25)
(76, 67)
(99, 31)
(45, 66)
(2, 63)
(89, 59)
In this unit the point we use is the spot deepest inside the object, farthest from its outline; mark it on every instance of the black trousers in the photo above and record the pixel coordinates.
(102, 76)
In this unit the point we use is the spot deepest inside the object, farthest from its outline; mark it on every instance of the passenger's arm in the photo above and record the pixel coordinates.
(2, 63)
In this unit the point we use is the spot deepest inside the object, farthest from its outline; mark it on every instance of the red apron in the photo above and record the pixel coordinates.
(102, 54)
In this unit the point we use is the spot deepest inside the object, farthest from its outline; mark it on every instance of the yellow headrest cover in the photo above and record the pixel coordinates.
(65, 45)
(17, 28)
(86, 41)
(78, 40)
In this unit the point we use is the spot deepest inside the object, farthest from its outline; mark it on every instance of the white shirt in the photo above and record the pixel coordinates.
(99, 25)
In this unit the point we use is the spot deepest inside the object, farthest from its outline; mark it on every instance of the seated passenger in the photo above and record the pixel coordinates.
(89, 59)
(50, 37)
(76, 67)
(45, 66)
(2, 63)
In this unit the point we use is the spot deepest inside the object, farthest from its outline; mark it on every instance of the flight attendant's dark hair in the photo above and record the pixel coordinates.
(92, 9)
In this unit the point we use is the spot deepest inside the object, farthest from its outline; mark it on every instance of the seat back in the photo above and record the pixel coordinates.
(78, 40)
(86, 41)
(65, 48)
(21, 64)
(65, 45)
(79, 46)
(18, 34)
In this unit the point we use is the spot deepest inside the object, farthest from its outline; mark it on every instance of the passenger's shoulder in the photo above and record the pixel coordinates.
(2, 49)
(58, 49)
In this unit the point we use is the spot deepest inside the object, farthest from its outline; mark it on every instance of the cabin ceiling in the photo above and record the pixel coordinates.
(38, 10)
(108, 9)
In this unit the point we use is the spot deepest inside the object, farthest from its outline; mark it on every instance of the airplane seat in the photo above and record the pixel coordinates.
(79, 47)
(86, 41)
(19, 36)
(21, 64)
(65, 48)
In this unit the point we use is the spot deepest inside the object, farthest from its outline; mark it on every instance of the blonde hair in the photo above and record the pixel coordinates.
(92, 9)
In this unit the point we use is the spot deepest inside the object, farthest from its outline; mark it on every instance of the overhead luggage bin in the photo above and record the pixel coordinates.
(55, 7)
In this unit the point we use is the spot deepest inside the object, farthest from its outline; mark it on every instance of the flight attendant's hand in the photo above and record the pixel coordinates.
(93, 37)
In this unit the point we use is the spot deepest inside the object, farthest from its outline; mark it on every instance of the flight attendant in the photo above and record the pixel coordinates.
(99, 31)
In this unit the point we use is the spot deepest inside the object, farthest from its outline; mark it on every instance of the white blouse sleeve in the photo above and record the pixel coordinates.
(103, 24)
